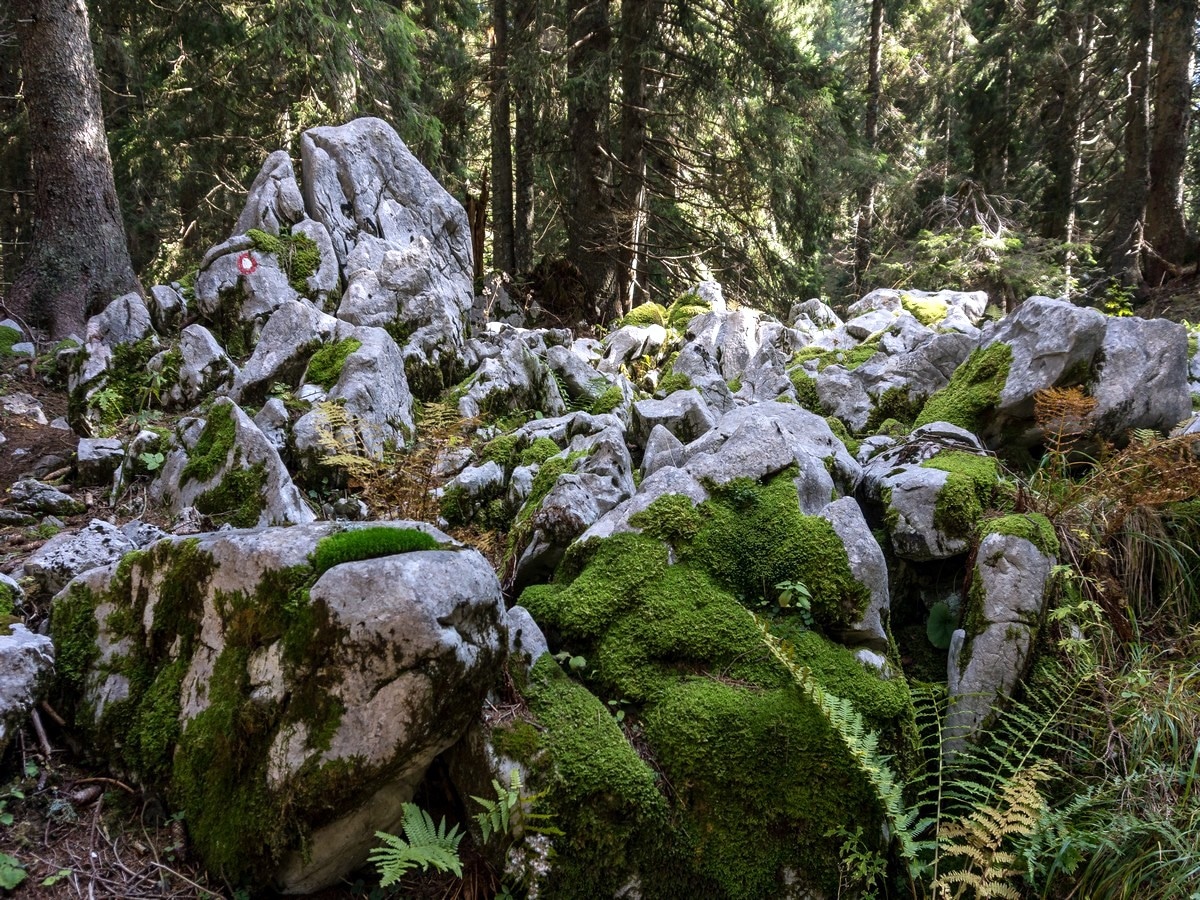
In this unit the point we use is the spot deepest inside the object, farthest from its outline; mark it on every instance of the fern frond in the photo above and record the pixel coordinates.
(427, 845)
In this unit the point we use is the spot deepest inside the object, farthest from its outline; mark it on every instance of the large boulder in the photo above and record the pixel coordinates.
(1141, 380)
(402, 241)
(287, 689)
(68, 553)
(227, 469)
(1004, 609)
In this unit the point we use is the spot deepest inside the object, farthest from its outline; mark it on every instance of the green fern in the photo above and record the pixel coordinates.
(511, 813)
(427, 845)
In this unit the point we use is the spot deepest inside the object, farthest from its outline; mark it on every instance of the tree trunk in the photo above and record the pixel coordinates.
(503, 259)
(1063, 123)
(79, 259)
(522, 80)
(16, 181)
(1166, 228)
(590, 226)
(866, 194)
(1126, 246)
(637, 20)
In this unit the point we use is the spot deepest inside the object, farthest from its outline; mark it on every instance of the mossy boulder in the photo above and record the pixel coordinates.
(736, 776)
(284, 689)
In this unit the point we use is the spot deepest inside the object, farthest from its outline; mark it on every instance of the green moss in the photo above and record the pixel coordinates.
(855, 357)
(893, 405)
(967, 492)
(672, 382)
(926, 310)
(155, 731)
(609, 400)
(518, 740)
(672, 518)
(325, 367)
(842, 433)
(212, 450)
(600, 793)
(1034, 527)
(8, 600)
(297, 254)
(755, 537)
(806, 390)
(503, 451)
(238, 499)
(368, 543)
(8, 337)
(973, 391)
(74, 629)
(539, 451)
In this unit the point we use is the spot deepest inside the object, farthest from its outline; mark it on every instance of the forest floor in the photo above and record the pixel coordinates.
(79, 833)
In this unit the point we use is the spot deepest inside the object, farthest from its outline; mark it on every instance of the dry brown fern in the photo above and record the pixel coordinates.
(984, 867)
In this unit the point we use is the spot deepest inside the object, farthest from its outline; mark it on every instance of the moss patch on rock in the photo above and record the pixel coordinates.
(368, 543)
(297, 254)
(968, 491)
(806, 390)
(325, 367)
(1034, 527)
(973, 391)
(926, 310)
(757, 774)
(238, 499)
(211, 452)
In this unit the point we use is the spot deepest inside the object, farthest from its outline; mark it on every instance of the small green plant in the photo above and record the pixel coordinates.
(795, 595)
(424, 845)
(861, 866)
(151, 462)
(1118, 299)
(572, 662)
(6, 818)
(12, 873)
(511, 812)
(940, 627)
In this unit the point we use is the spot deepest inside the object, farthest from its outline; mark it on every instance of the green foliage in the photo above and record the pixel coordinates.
(1034, 527)
(806, 390)
(325, 367)
(8, 337)
(676, 316)
(609, 400)
(940, 626)
(368, 543)
(12, 871)
(238, 499)
(427, 846)
(511, 812)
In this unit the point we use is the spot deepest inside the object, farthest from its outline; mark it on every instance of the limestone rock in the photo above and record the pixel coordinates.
(869, 568)
(26, 670)
(684, 414)
(33, 496)
(67, 554)
(1142, 378)
(356, 678)
(97, 459)
(274, 200)
(204, 368)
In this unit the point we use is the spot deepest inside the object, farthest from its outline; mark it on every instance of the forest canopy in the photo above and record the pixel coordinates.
(626, 149)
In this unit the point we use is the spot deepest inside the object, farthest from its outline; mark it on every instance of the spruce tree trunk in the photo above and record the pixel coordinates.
(866, 195)
(522, 81)
(1126, 248)
(591, 230)
(78, 260)
(1166, 228)
(503, 259)
(637, 20)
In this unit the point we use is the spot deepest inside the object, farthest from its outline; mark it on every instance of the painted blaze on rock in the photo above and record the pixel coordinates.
(285, 690)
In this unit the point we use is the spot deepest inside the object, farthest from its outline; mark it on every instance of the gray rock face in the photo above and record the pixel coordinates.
(32, 496)
(662, 449)
(525, 638)
(1050, 340)
(869, 568)
(97, 459)
(667, 480)
(684, 414)
(379, 666)
(601, 478)
(26, 670)
(373, 392)
(291, 336)
(908, 492)
(23, 406)
(1142, 377)
(274, 201)
(264, 495)
(514, 381)
(628, 343)
(68, 554)
(403, 242)
(167, 308)
(842, 395)
(983, 668)
(125, 320)
(252, 295)
(204, 368)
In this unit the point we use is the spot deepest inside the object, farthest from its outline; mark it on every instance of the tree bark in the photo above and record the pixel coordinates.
(522, 81)
(866, 194)
(637, 20)
(590, 223)
(1166, 227)
(16, 181)
(1126, 246)
(79, 258)
(503, 258)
